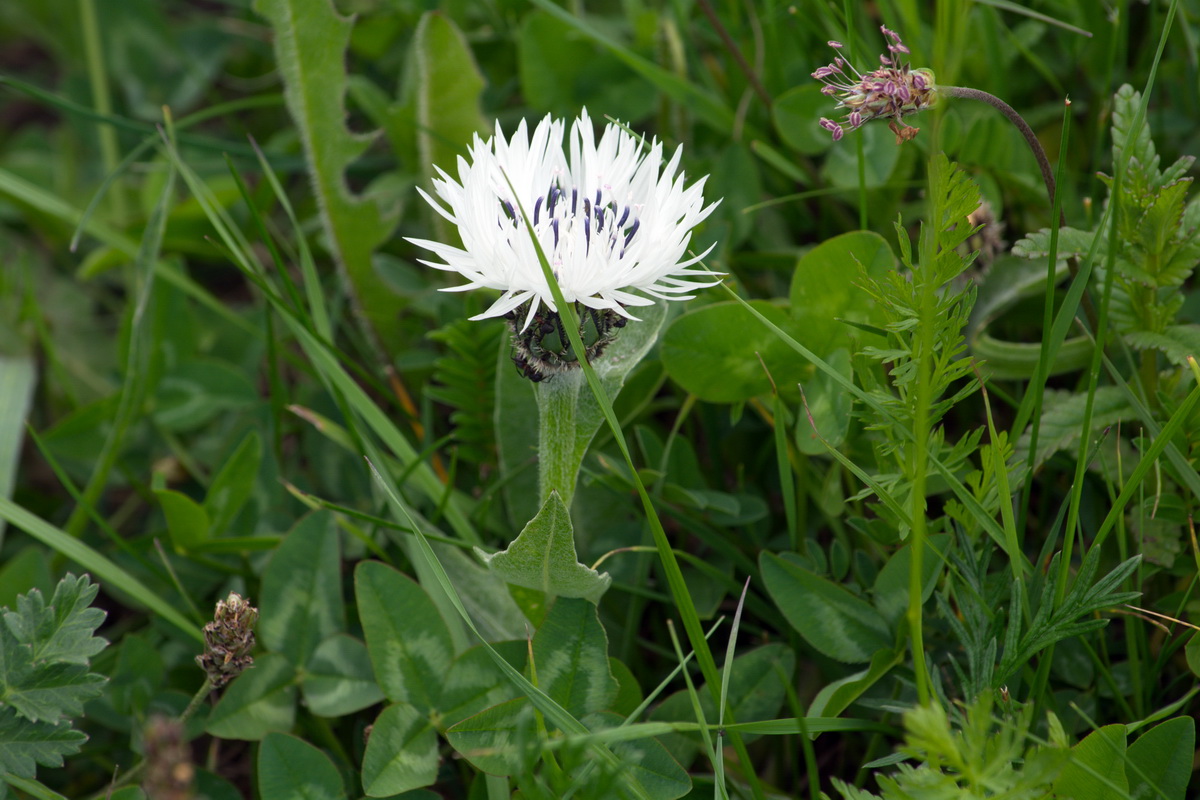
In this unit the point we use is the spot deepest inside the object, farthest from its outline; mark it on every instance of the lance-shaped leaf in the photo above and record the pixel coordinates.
(310, 49)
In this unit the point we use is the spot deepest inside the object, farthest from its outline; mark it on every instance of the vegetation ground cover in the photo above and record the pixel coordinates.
(899, 504)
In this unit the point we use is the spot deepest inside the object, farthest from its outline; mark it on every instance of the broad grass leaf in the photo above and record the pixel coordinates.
(259, 701)
(301, 602)
(407, 639)
(293, 768)
(338, 679)
(1164, 755)
(543, 557)
(831, 619)
(17, 379)
(401, 752)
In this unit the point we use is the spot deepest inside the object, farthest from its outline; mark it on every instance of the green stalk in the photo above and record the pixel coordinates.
(921, 428)
(558, 465)
(98, 78)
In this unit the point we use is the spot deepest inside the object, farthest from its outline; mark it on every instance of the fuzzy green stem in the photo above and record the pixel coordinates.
(558, 461)
(197, 699)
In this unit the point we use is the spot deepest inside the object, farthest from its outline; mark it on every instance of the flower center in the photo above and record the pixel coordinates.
(603, 221)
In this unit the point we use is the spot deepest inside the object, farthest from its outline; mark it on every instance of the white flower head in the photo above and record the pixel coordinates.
(612, 219)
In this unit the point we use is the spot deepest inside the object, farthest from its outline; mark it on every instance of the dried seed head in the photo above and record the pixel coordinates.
(170, 774)
(228, 640)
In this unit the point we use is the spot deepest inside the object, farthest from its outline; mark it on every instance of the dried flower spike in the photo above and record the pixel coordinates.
(892, 91)
(170, 774)
(613, 218)
(228, 640)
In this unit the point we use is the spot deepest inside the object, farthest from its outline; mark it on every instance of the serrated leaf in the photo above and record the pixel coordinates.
(63, 630)
(1063, 420)
(543, 557)
(1072, 243)
(25, 744)
(465, 380)
(310, 48)
(1143, 157)
(53, 692)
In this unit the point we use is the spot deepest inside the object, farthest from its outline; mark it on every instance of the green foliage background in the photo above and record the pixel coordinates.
(223, 369)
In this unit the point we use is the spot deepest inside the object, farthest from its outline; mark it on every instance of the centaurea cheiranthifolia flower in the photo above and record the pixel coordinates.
(892, 91)
(613, 220)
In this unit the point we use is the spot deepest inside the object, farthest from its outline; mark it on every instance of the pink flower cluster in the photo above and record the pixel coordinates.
(892, 91)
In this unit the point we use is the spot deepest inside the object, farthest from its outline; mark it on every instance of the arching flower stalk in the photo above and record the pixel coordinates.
(612, 219)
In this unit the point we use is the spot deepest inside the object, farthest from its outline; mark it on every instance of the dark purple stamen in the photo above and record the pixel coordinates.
(632, 230)
(537, 209)
(624, 217)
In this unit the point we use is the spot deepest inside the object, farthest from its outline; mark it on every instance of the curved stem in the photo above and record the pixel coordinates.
(1016, 119)
(1039, 153)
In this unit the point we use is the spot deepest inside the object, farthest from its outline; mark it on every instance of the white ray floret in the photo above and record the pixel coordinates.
(613, 219)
